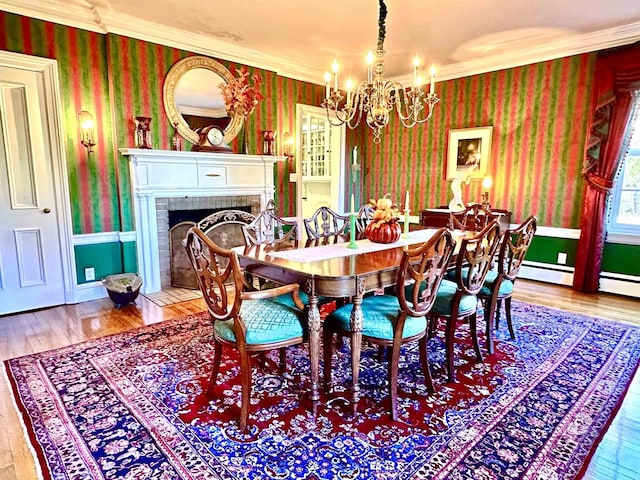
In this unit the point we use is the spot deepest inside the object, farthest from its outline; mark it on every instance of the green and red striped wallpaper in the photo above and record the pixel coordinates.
(539, 115)
(83, 70)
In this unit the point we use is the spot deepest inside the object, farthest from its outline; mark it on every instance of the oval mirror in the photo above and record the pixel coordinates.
(192, 98)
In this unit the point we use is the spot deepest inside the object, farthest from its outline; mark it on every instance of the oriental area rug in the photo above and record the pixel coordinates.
(133, 406)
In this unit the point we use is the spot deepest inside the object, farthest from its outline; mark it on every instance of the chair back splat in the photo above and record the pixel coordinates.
(325, 223)
(269, 228)
(475, 258)
(474, 217)
(421, 272)
(515, 246)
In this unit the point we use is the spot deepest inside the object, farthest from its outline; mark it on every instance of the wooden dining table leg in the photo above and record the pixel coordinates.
(314, 347)
(356, 342)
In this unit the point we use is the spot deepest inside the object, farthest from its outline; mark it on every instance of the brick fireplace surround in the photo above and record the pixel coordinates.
(165, 179)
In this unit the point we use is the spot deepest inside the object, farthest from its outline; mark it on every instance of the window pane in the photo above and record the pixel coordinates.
(631, 172)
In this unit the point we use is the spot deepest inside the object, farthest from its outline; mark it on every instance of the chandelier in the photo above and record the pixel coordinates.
(374, 98)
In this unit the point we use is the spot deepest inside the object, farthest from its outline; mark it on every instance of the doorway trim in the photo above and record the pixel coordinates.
(54, 121)
(301, 109)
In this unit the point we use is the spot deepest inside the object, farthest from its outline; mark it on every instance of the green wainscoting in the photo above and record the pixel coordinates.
(546, 249)
(621, 258)
(106, 258)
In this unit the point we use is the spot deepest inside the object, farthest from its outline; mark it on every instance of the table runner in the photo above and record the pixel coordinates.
(326, 252)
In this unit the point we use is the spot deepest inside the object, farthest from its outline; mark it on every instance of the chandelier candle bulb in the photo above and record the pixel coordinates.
(334, 67)
(433, 79)
(370, 67)
(349, 88)
(327, 81)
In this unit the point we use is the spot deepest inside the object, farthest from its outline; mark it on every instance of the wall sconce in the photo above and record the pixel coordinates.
(287, 144)
(87, 134)
(487, 183)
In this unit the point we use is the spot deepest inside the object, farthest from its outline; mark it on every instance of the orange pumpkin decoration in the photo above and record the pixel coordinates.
(386, 232)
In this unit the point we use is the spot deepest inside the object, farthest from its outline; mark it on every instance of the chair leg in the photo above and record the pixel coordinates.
(393, 379)
(262, 360)
(217, 356)
(381, 353)
(245, 374)
(283, 361)
(498, 307)
(507, 309)
(473, 326)
(424, 361)
(489, 313)
(327, 345)
(449, 339)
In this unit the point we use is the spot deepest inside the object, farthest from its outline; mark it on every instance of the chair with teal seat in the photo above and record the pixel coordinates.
(394, 320)
(457, 299)
(498, 284)
(248, 321)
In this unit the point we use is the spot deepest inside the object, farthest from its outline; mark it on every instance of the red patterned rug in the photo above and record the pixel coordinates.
(132, 406)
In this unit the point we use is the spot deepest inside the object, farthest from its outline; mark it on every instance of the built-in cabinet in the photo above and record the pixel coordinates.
(315, 143)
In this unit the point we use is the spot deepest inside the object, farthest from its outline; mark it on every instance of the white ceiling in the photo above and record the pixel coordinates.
(300, 39)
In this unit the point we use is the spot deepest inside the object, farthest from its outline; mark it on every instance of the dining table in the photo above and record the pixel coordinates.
(336, 271)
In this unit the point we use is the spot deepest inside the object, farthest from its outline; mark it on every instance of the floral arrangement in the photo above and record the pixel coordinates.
(239, 96)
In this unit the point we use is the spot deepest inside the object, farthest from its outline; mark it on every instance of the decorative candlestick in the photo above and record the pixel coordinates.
(406, 224)
(352, 231)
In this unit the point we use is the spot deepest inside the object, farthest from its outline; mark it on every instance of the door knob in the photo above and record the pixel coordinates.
(47, 210)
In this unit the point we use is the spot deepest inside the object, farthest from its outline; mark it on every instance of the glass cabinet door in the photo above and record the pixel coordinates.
(315, 146)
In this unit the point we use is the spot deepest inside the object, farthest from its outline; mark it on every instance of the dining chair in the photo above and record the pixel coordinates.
(474, 217)
(365, 215)
(247, 321)
(325, 223)
(457, 297)
(395, 320)
(499, 282)
(269, 228)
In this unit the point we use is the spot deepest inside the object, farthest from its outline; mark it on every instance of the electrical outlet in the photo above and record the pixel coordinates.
(562, 258)
(89, 274)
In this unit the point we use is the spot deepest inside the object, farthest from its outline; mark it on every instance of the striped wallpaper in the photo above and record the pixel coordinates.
(83, 71)
(539, 115)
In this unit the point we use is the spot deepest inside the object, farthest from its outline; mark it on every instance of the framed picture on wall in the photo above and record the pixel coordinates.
(469, 152)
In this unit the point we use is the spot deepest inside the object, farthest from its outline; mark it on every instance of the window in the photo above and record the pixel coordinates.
(625, 197)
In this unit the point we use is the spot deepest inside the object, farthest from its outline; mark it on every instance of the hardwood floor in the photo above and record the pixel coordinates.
(615, 458)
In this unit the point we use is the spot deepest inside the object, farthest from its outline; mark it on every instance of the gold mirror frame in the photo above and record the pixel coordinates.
(169, 89)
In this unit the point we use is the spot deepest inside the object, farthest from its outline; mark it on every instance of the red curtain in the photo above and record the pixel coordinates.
(616, 81)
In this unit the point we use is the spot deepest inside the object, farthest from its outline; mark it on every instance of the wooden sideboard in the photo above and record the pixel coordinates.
(439, 217)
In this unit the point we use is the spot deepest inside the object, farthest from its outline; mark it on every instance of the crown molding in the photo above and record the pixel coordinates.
(58, 11)
(588, 42)
(86, 16)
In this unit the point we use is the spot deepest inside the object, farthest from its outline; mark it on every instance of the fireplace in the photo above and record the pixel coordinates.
(164, 180)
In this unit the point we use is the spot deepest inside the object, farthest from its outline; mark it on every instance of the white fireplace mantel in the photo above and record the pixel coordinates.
(168, 173)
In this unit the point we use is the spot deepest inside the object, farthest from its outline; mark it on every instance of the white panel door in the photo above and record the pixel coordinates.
(31, 267)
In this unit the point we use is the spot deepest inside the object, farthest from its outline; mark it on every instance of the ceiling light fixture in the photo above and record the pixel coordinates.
(374, 98)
